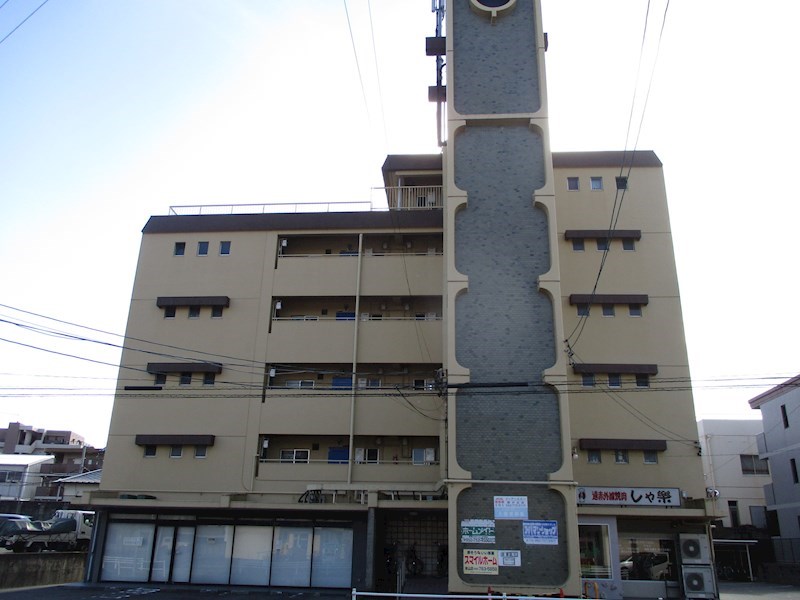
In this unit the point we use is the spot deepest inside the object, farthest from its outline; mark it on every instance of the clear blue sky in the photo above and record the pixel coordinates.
(111, 111)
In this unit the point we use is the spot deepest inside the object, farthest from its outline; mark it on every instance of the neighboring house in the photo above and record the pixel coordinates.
(340, 392)
(70, 453)
(735, 478)
(21, 475)
(735, 475)
(780, 445)
(75, 489)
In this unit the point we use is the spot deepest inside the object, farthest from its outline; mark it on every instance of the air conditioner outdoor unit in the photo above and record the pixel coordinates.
(695, 549)
(698, 582)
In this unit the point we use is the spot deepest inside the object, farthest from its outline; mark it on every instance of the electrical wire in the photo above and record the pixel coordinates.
(10, 33)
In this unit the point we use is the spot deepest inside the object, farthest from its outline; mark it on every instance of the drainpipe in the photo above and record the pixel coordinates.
(351, 449)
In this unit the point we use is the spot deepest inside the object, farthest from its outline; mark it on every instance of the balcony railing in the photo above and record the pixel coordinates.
(424, 197)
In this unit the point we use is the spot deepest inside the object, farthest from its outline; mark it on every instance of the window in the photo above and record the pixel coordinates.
(650, 457)
(194, 312)
(596, 183)
(622, 182)
(161, 378)
(169, 312)
(642, 380)
(224, 248)
(149, 451)
(180, 249)
(793, 467)
(208, 378)
(784, 416)
(621, 457)
(369, 383)
(593, 544)
(578, 245)
(299, 383)
(635, 310)
(608, 310)
(593, 457)
(424, 384)
(216, 312)
(200, 451)
(752, 465)
(186, 379)
(602, 244)
(423, 456)
(628, 244)
(176, 451)
(614, 380)
(573, 184)
(202, 248)
(647, 556)
(295, 456)
(583, 309)
(733, 510)
(587, 379)
(366, 455)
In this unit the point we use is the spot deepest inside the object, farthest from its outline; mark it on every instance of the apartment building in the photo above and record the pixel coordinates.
(778, 444)
(441, 388)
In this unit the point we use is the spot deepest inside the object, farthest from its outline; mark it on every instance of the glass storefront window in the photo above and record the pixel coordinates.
(595, 557)
(213, 546)
(332, 558)
(126, 556)
(252, 553)
(291, 556)
(647, 557)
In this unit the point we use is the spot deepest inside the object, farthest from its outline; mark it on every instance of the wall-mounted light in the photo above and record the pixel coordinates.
(575, 454)
(278, 305)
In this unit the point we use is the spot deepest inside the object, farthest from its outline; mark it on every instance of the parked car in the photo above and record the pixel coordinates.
(646, 566)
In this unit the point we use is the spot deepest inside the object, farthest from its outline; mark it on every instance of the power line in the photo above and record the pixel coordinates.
(10, 33)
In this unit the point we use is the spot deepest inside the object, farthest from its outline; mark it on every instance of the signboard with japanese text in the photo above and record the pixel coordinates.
(509, 558)
(630, 496)
(477, 531)
(540, 533)
(480, 562)
(511, 507)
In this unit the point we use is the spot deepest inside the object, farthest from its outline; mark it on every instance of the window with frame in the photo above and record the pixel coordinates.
(216, 312)
(628, 244)
(634, 310)
(622, 182)
(642, 380)
(295, 455)
(621, 457)
(784, 416)
(367, 455)
(647, 556)
(753, 465)
(793, 467)
(578, 245)
(180, 249)
(614, 380)
(608, 310)
(224, 248)
(200, 451)
(583, 309)
(160, 378)
(587, 379)
(594, 457)
(209, 378)
(150, 451)
(596, 183)
(175, 451)
(424, 384)
(299, 383)
(423, 456)
(650, 457)
(368, 382)
(186, 378)
(194, 312)
(602, 244)
(169, 312)
(573, 184)
(202, 248)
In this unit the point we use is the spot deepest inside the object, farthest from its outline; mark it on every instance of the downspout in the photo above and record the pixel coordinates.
(350, 452)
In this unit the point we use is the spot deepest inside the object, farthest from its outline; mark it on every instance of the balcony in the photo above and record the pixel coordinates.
(407, 273)
(418, 197)
(325, 472)
(328, 339)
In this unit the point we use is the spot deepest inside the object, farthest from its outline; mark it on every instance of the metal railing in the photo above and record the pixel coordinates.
(416, 197)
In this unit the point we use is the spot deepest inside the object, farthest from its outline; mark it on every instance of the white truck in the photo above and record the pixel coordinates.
(67, 530)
